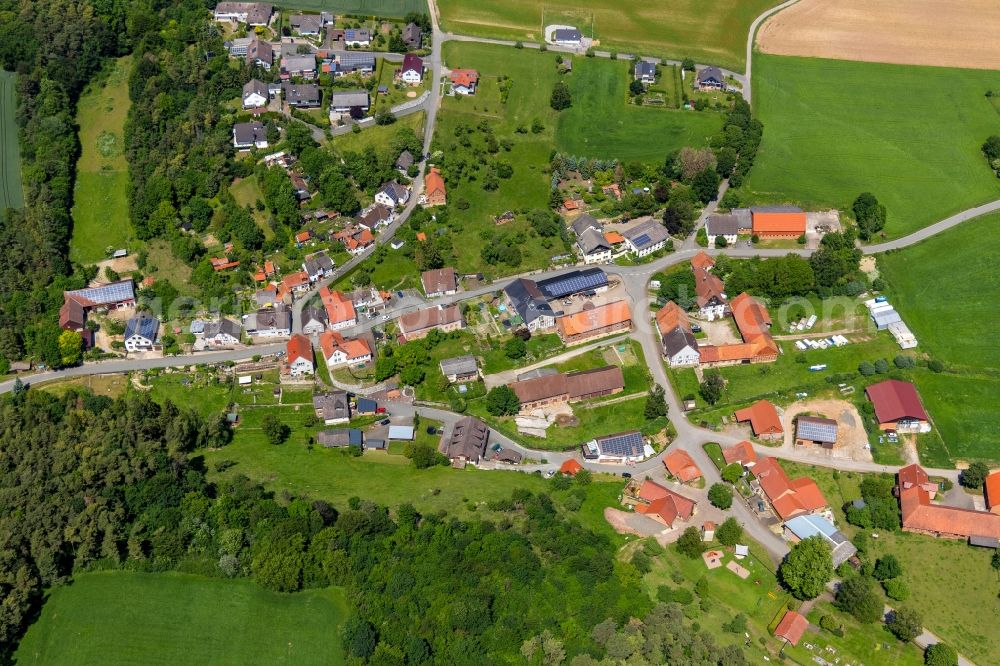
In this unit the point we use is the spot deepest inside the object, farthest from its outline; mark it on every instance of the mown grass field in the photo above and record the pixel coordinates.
(910, 135)
(172, 618)
(100, 210)
(381, 8)
(946, 288)
(601, 123)
(710, 31)
(11, 195)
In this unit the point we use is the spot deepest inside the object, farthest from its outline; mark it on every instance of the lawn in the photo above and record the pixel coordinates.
(834, 129)
(11, 195)
(710, 31)
(532, 76)
(378, 136)
(951, 322)
(163, 265)
(861, 643)
(599, 90)
(381, 8)
(172, 618)
(100, 210)
(247, 192)
(631, 360)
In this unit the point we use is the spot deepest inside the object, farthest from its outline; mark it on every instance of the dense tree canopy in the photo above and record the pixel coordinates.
(807, 568)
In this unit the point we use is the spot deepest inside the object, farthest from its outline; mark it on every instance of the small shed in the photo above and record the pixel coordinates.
(376, 444)
(366, 406)
(984, 542)
(245, 380)
(400, 432)
(741, 551)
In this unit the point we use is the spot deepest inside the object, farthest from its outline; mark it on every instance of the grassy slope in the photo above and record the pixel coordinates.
(945, 289)
(11, 195)
(910, 135)
(378, 136)
(383, 8)
(100, 212)
(171, 618)
(601, 124)
(710, 31)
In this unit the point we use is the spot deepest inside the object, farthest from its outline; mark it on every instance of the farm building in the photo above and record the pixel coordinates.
(804, 527)
(778, 221)
(623, 447)
(788, 497)
(724, 226)
(558, 388)
(898, 407)
(597, 322)
(947, 522)
(663, 505)
(812, 430)
(583, 281)
(416, 325)
(763, 418)
(439, 282)
(754, 324)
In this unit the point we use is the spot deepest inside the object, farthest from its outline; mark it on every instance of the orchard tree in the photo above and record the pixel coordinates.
(807, 568)
(870, 215)
(973, 477)
(711, 387)
(720, 496)
(905, 623)
(502, 401)
(729, 532)
(275, 431)
(690, 543)
(561, 98)
(940, 654)
(858, 597)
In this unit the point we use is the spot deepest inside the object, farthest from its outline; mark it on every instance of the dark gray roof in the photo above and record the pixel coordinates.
(254, 86)
(816, 429)
(775, 209)
(349, 98)
(350, 60)
(247, 133)
(260, 50)
(459, 365)
(676, 340)
(711, 74)
(306, 23)
(469, 438)
(527, 300)
(305, 93)
(296, 62)
(592, 241)
(647, 234)
(412, 34)
(405, 160)
(567, 35)
(583, 223)
(310, 314)
(316, 263)
(277, 318)
(333, 405)
(224, 326)
(340, 437)
(644, 68)
(722, 225)
(378, 444)
(144, 325)
(395, 191)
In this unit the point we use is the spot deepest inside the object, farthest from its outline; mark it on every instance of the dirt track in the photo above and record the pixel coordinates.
(912, 32)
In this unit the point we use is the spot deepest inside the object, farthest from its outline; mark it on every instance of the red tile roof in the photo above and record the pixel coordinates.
(742, 453)
(570, 467)
(788, 497)
(763, 418)
(586, 321)
(664, 503)
(464, 77)
(779, 223)
(920, 515)
(339, 308)
(702, 261)
(670, 316)
(299, 347)
(680, 464)
(895, 400)
(613, 237)
(353, 348)
(792, 627)
(992, 491)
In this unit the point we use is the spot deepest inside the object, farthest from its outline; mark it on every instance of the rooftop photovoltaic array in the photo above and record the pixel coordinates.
(623, 444)
(115, 292)
(573, 283)
(817, 431)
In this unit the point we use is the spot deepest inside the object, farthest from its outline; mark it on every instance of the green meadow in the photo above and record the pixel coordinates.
(172, 618)
(381, 8)
(100, 210)
(910, 135)
(710, 31)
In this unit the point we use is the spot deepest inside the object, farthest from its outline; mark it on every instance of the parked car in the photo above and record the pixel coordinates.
(400, 294)
(695, 328)
(380, 410)
(384, 422)
(626, 475)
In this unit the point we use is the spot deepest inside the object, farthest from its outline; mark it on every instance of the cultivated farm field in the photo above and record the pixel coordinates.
(910, 135)
(100, 210)
(602, 125)
(171, 618)
(382, 8)
(911, 32)
(710, 31)
(11, 195)
(946, 288)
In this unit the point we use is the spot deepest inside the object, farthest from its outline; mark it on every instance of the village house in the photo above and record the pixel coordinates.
(710, 293)
(376, 216)
(460, 368)
(663, 505)
(393, 194)
(358, 241)
(815, 431)
(413, 36)
(560, 388)
(249, 135)
(140, 332)
(788, 497)
(357, 37)
(78, 303)
(333, 407)
(416, 325)
(340, 438)
(811, 525)
(646, 238)
(620, 448)
(338, 350)
(296, 283)
(681, 466)
(434, 190)
(299, 359)
(898, 407)
(403, 164)
(525, 298)
(222, 333)
(467, 442)
(742, 453)
(567, 37)
(680, 348)
(645, 72)
(412, 71)
(253, 14)
(270, 323)
(710, 78)
(307, 25)
(260, 54)
(594, 247)
(722, 226)
(754, 324)
(255, 94)
(312, 320)
(348, 103)
(921, 516)
(464, 81)
(340, 311)
(297, 65)
(367, 297)
(597, 322)
(439, 282)
(348, 62)
(791, 628)
(301, 95)
(317, 266)
(763, 419)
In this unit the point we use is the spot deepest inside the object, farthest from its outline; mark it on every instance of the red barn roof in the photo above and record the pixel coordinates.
(895, 400)
(791, 627)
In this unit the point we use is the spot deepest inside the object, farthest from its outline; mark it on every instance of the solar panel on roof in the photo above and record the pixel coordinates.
(642, 240)
(109, 293)
(573, 283)
(622, 445)
(817, 432)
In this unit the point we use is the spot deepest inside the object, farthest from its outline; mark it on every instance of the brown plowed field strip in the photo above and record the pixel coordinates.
(955, 33)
